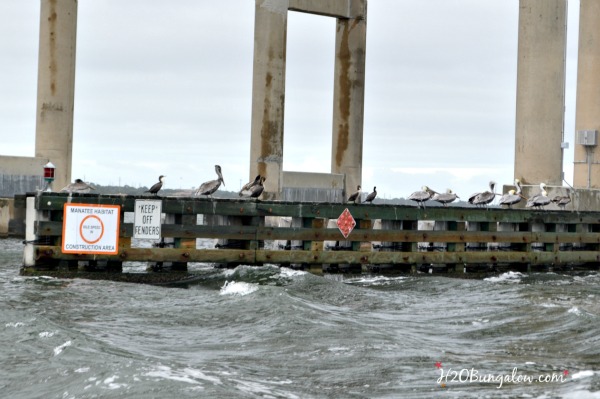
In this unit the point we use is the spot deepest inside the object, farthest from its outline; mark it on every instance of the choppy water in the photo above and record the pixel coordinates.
(277, 333)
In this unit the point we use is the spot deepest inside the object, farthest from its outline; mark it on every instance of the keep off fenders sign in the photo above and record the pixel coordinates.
(91, 229)
(146, 220)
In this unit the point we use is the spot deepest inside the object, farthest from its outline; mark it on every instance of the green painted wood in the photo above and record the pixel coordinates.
(51, 228)
(216, 206)
(335, 257)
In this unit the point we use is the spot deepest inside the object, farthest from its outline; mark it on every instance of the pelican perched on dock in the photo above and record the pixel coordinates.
(420, 197)
(249, 185)
(540, 200)
(371, 196)
(255, 190)
(562, 200)
(356, 195)
(157, 186)
(445, 198)
(209, 187)
(484, 198)
(512, 197)
(79, 186)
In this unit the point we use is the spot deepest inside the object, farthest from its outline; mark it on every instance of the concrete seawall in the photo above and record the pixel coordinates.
(12, 220)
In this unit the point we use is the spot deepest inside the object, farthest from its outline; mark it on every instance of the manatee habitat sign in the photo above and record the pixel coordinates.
(91, 229)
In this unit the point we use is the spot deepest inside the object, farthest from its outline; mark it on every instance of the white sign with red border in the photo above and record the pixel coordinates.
(91, 229)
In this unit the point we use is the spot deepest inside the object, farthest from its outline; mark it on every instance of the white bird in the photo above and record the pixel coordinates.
(540, 200)
(209, 187)
(355, 196)
(371, 196)
(445, 198)
(562, 200)
(157, 186)
(484, 198)
(79, 186)
(420, 197)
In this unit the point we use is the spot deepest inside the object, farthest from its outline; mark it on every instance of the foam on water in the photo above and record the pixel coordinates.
(508, 277)
(238, 288)
(60, 348)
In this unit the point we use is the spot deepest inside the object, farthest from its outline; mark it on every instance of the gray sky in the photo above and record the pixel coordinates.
(165, 88)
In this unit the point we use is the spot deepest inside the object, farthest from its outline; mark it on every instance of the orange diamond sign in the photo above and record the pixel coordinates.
(346, 223)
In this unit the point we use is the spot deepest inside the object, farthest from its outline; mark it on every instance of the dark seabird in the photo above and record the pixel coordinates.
(512, 197)
(156, 187)
(79, 186)
(540, 200)
(420, 197)
(484, 198)
(355, 196)
(445, 198)
(371, 196)
(211, 186)
(562, 200)
(249, 185)
(255, 190)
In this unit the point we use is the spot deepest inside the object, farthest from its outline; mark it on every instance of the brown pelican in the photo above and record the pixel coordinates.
(79, 186)
(421, 196)
(484, 198)
(255, 190)
(512, 197)
(540, 200)
(562, 200)
(355, 196)
(445, 198)
(211, 186)
(371, 196)
(249, 185)
(157, 186)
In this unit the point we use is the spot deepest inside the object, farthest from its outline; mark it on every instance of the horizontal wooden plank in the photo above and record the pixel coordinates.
(49, 228)
(328, 257)
(245, 207)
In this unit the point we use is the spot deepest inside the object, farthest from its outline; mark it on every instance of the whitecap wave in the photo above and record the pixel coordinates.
(238, 288)
(508, 277)
(582, 374)
(188, 375)
(60, 348)
(287, 272)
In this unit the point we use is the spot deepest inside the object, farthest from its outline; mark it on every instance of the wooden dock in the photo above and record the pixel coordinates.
(305, 235)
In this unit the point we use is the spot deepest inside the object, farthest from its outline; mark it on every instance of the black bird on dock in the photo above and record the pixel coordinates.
(371, 196)
(249, 185)
(356, 195)
(255, 190)
(209, 187)
(156, 187)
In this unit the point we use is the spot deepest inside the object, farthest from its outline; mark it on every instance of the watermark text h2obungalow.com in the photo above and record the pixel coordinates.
(472, 375)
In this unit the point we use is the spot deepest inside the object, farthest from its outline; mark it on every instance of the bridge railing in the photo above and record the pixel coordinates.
(257, 232)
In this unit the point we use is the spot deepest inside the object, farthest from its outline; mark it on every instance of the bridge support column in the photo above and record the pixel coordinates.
(586, 172)
(540, 91)
(348, 100)
(56, 86)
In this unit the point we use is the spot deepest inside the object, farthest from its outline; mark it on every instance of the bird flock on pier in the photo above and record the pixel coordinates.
(255, 188)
